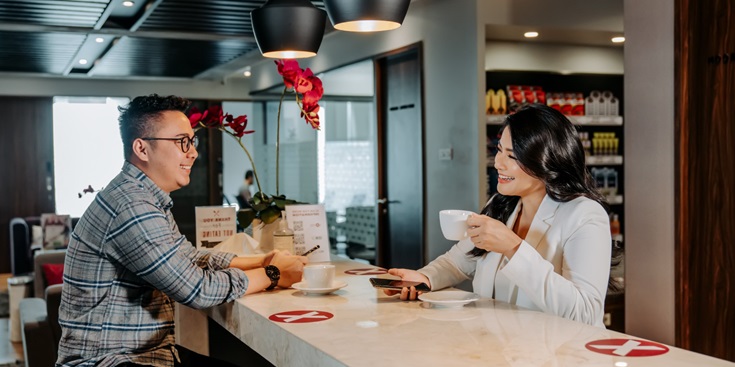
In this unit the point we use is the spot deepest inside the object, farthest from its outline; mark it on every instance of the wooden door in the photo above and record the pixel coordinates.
(27, 164)
(705, 77)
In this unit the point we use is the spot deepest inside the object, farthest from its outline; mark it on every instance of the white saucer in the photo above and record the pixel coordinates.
(335, 286)
(449, 298)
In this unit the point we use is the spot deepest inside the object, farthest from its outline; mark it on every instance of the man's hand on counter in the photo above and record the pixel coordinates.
(291, 267)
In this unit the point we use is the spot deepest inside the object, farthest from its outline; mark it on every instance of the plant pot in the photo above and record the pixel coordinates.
(263, 233)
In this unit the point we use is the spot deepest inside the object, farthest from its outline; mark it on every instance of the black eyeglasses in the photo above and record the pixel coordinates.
(185, 142)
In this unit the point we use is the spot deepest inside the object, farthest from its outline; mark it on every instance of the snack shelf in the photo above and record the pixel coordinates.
(577, 120)
(604, 160)
(614, 199)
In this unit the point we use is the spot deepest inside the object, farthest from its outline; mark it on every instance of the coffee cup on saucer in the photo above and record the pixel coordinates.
(453, 223)
(319, 276)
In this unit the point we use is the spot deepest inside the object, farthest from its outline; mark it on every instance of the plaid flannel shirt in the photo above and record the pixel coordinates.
(126, 265)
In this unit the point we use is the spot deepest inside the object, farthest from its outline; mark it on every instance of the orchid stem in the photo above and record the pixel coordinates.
(278, 138)
(255, 172)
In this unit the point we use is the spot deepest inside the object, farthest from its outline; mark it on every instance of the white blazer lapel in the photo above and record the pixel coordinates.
(512, 219)
(541, 221)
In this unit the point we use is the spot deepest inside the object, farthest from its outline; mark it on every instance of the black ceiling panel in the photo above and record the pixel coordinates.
(37, 52)
(221, 17)
(152, 57)
(214, 16)
(68, 13)
(162, 38)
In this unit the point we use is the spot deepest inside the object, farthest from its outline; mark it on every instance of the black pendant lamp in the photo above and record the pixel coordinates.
(288, 29)
(366, 15)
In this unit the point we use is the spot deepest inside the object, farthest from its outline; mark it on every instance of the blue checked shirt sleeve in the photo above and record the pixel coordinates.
(144, 239)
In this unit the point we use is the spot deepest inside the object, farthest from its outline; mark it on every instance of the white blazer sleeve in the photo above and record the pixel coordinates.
(578, 293)
(452, 268)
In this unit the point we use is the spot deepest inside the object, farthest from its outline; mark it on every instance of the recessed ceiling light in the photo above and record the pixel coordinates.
(128, 3)
(530, 34)
(99, 40)
(618, 39)
(247, 72)
(83, 61)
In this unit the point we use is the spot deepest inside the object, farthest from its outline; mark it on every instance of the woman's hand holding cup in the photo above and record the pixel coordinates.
(492, 235)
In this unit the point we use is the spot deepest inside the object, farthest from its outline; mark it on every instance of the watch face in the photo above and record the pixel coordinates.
(274, 274)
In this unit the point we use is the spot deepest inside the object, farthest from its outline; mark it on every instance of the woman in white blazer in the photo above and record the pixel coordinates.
(543, 241)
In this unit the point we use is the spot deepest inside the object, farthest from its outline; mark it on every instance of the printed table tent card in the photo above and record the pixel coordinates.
(309, 225)
(214, 224)
(56, 230)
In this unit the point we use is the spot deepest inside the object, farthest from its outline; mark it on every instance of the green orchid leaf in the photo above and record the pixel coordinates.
(245, 217)
(260, 206)
(258, 198)
(281, 203)
(270, 214)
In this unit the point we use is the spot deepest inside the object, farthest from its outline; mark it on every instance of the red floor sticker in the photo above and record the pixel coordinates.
(367, 271)
(300, 316)
(627, 347)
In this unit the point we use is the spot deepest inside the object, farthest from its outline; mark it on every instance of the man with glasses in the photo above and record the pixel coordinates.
(127, 263)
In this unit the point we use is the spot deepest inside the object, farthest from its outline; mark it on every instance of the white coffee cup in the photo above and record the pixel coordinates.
(319, 275)
(454, 223)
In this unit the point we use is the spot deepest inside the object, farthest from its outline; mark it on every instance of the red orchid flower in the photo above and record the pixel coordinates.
(290, 71)
(315, 94)
(303, 82)
(238, 125)
(195, 116)
(213, 116)
(310, 112)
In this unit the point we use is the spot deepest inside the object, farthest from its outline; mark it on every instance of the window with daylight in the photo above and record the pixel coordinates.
(87, 149)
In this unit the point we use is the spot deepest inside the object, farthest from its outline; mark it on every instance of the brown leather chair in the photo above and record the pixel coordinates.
(39, 316)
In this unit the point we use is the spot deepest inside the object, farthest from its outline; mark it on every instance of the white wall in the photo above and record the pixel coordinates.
(650, 177)
(597, 15)
(502, 55)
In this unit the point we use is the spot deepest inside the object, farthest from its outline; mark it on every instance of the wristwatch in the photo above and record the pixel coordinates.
(274, 274)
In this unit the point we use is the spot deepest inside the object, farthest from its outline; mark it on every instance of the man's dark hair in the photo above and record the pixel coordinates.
(135, 118)
(248, 174)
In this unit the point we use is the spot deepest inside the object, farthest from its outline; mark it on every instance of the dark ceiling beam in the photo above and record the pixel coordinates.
(17, 27)
(150, 6)
(105, 15)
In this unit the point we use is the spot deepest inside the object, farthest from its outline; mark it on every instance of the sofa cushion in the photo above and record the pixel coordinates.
(53, 273)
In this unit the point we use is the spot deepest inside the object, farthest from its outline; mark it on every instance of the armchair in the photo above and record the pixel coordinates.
(39, 316)
(21, 237)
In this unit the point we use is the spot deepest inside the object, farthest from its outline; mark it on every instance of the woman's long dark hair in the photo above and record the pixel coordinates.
(547, 147)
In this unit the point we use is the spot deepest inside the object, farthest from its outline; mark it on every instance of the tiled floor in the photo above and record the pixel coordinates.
(11, 354)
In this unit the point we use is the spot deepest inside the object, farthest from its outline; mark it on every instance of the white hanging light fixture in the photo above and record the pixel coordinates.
(366, 15)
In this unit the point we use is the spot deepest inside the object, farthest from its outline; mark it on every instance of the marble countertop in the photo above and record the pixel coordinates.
(371, 329)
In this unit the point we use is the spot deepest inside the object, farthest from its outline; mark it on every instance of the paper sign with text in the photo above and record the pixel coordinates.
(309, 225)
(214, 224)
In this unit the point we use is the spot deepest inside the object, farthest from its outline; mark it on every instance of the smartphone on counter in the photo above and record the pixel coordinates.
(398, 284)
